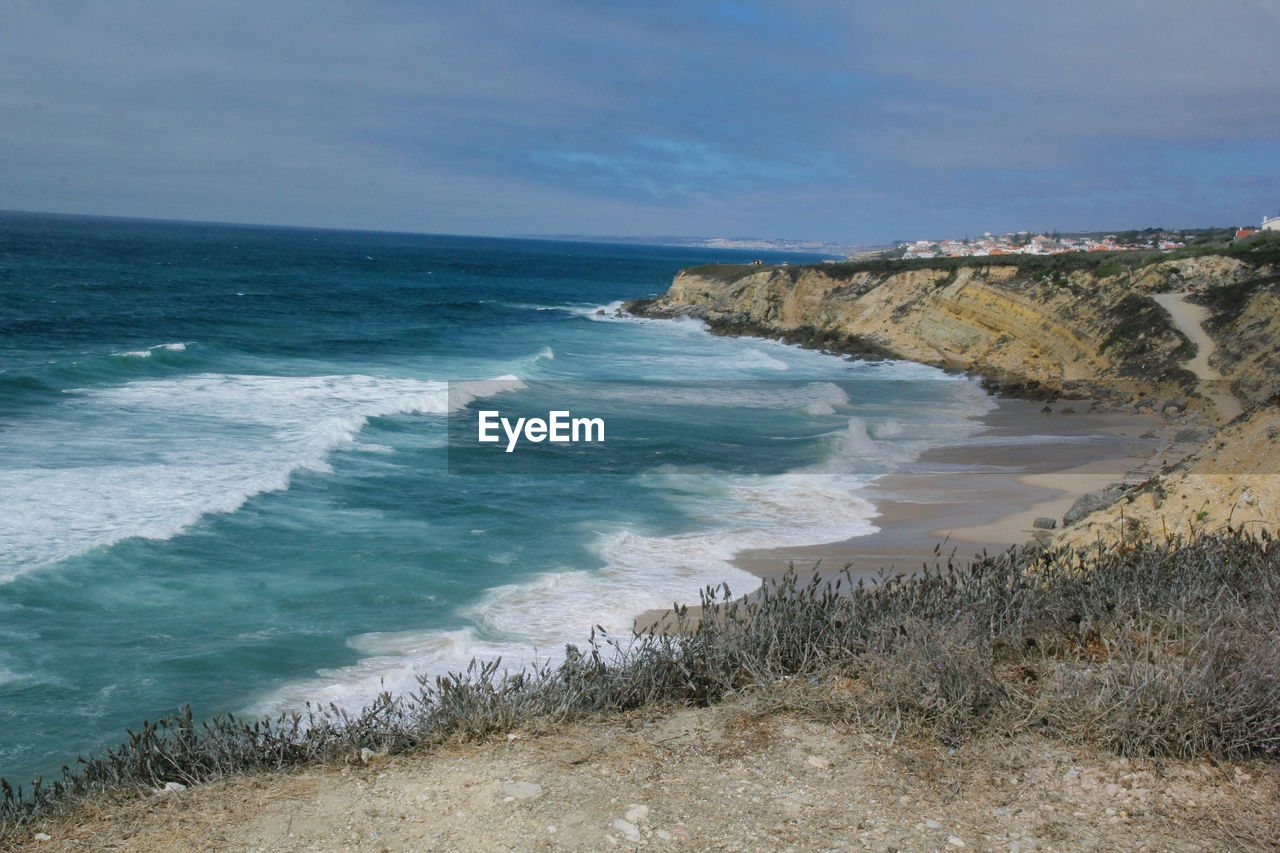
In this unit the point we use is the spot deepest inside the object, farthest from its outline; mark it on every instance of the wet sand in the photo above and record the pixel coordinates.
(983, 495)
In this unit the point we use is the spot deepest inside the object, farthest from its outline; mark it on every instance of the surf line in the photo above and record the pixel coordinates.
(559, 427)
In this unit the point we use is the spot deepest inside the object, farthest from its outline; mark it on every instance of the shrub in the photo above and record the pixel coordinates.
(1169, 649)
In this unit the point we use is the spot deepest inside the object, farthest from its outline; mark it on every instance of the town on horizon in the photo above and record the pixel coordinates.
(1023, 242)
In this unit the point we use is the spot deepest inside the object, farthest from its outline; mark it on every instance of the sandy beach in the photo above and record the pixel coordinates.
(986, 494)
(983, 495)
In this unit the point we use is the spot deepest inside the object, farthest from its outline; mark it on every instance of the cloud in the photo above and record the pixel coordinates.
(807, 118)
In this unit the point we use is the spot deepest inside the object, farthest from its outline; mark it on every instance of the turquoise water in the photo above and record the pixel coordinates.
(224, 473)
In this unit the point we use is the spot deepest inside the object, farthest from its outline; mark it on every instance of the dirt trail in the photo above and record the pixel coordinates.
(1189, 318)
(732, 777)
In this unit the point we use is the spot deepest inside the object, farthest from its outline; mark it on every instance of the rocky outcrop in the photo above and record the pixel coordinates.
(1055, 334)
(1042, 333)
(1231, 483)
(1070, 335)
(1195, 275)
(1245, 324)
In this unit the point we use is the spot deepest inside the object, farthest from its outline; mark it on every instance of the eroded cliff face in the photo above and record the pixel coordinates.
(1245, 325)
(1069, 335)
(1231, 483)
(1063, 335)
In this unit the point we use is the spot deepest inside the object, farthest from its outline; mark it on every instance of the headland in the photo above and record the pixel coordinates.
(1094, 691)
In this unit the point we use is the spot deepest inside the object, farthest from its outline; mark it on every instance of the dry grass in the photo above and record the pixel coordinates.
(1157, 650)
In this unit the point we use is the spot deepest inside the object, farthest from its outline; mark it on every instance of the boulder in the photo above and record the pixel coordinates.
(1091, 503)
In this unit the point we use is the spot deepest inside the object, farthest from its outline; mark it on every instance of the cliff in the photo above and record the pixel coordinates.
(1086, 332)
(1036, 331)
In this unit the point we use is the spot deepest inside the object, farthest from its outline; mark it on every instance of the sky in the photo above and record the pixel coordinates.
(861, 122)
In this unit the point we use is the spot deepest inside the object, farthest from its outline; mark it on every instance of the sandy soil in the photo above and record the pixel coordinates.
(740, 776)
(1018, 527)
(1189, 318)
(1232, 482)
(985, 496)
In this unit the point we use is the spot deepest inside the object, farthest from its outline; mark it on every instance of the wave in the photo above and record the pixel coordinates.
(612, 313)
(146, 353)
(150, 458)
(52, 376)
(16, 386)
(815, 398)
(531, 621)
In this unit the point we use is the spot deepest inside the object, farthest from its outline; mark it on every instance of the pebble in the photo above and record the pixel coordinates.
(522, 790)
(818, 762)
(42, 836)
(955, 841)
(932, 824)
(628, 829)
(637, 813)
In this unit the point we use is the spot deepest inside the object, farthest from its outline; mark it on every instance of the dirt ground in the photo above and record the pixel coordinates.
(734, 777)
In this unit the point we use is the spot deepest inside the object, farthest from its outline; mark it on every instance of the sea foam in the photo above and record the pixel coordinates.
(150, 458)
(531, 621)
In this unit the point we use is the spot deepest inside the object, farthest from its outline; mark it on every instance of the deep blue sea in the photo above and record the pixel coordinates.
(224, 473)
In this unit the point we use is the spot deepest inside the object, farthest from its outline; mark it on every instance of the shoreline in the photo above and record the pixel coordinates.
(983, 495)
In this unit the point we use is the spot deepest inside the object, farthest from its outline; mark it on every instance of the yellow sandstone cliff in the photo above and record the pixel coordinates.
(1046, 332)
(1073, 335)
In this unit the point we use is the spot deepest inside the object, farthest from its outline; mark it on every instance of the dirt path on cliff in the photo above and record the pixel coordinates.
(740, 776)
(1189, 318)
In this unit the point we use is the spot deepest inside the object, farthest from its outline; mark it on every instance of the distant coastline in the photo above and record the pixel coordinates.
(760, 244)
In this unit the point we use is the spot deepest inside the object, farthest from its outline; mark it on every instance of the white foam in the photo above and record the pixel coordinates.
(612, 313)
(531, 621)
(816, 398)
(826, 397)
(462, 394)
(886, 428)
(146, 353)
(596, 312)
(759, 358)
(150, 458)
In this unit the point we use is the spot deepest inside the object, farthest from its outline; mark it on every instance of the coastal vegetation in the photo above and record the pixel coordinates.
(1164, 647)
(1147, 650)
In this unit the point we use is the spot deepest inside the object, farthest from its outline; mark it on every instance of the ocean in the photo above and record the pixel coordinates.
(226, 478)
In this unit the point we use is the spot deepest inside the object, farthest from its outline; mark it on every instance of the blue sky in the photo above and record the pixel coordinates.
(860, 122)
